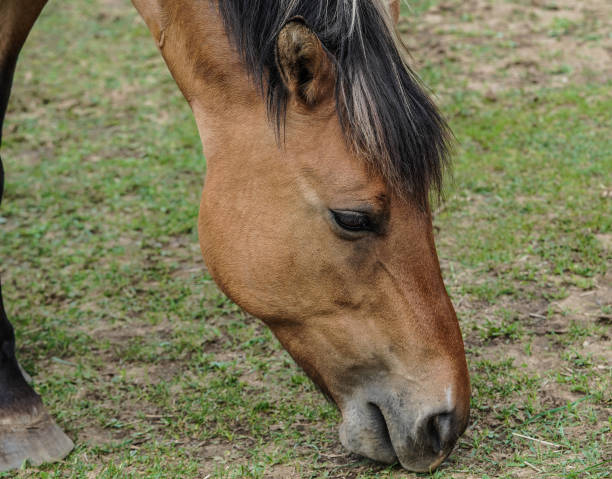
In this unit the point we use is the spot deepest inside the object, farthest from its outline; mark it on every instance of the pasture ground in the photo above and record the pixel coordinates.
(155, 373)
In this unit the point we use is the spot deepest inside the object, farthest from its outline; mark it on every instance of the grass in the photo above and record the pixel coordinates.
(155, 373)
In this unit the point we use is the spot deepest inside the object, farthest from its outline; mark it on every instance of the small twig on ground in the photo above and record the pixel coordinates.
(537, 316)
(63, 361)
(532, 466)
(529, 438)
(332, 456)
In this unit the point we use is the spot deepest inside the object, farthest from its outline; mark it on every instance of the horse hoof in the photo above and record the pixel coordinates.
(34, 438)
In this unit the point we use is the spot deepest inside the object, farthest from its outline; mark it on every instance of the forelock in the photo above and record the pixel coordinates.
(387, 116)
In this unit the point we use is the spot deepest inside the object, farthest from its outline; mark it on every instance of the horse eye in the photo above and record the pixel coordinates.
(353, 220)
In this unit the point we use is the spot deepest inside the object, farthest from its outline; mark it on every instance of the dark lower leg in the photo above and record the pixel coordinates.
(13, 387)
(15, 393)
(27, 432)
(14, 390)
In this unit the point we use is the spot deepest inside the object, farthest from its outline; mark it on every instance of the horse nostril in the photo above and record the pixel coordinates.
(440, 431)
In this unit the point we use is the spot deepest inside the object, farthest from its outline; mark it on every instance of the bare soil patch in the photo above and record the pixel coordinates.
(588, 305)
(492, 46)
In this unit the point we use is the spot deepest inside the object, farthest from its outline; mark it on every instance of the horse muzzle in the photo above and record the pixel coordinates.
(397, 428)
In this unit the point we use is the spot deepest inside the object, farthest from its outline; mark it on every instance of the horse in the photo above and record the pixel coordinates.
(323, 153)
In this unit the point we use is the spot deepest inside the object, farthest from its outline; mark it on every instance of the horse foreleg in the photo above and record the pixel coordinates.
(27, 432)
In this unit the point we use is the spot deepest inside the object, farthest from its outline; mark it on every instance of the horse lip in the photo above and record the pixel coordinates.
(386, 435)
(364, 432)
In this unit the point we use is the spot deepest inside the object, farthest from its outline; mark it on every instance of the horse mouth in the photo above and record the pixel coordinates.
(379, 417)
(391, 435)
(387, 443)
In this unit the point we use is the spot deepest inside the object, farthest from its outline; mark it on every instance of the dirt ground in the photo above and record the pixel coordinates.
(527, 44)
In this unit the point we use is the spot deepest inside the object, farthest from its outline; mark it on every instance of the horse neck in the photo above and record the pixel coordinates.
(208, 70)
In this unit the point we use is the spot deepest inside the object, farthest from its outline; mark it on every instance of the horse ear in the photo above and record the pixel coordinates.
(304, 65)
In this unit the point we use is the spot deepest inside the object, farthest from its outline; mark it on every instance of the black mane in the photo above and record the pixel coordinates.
(386, 115)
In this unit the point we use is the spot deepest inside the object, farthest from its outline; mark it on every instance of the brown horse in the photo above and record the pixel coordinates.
(322, 149)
